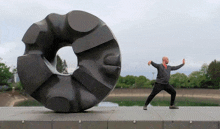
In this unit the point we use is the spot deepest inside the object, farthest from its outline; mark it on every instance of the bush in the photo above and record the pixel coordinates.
(148, 86)
(122, 85)
(140, 81)
(18, 86)
(5, 88)
(152, 82)
(29, 103)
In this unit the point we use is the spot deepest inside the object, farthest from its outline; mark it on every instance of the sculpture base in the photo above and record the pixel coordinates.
(112, 118)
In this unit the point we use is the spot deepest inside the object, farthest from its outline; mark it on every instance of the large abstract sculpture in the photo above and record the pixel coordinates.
(97, 51)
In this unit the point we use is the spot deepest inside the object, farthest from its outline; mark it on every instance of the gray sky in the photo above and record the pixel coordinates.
(145, 30)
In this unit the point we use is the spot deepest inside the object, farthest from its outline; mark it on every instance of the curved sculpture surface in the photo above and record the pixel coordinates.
(97, 51)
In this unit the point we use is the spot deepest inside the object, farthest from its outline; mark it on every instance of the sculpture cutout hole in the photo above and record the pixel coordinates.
(66, 60)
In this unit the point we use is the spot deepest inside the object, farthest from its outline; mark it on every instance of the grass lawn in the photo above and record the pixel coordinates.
(159, 102)
(187, 102)
(29, 103)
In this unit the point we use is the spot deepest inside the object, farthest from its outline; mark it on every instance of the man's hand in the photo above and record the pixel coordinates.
(149, 62)
(183, 61)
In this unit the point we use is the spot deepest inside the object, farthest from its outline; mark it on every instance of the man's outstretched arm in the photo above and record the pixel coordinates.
(179, 66)
(154, 64)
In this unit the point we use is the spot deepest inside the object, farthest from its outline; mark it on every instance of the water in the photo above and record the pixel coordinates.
(107, 104)
(111, 104)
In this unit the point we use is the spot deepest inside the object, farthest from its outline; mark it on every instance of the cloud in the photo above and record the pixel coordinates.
(10, 51)
(213, 1)
(145, 29)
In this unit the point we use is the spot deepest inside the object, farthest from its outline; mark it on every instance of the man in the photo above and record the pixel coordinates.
(162, 81)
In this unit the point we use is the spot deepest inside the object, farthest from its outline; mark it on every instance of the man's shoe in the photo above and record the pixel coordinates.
(145, 107)
(174, 107)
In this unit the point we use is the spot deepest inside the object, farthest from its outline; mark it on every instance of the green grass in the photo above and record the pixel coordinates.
(158, 102)
(29, 103)
(187, 102)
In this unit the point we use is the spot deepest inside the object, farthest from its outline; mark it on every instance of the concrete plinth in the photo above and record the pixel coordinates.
(111, 118)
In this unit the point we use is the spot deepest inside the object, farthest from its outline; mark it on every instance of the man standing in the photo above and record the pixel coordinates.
(162, 81)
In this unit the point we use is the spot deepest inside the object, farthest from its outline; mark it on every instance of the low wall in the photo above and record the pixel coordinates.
(212, 95)
(180, 92)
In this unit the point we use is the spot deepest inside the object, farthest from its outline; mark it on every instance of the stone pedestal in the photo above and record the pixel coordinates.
(111, 118)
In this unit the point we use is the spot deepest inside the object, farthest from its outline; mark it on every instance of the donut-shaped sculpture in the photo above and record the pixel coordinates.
(97, 51)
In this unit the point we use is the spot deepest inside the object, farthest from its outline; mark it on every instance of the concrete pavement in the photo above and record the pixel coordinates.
(112, 118)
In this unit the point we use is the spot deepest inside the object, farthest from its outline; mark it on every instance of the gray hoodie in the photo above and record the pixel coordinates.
(163, 74)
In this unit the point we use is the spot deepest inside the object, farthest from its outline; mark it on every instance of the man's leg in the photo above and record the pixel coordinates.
(157, 88)
(170, 90)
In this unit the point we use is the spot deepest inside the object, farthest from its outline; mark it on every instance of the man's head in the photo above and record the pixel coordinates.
(165, 60)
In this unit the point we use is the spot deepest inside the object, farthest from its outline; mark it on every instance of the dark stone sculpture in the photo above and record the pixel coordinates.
(97, 51)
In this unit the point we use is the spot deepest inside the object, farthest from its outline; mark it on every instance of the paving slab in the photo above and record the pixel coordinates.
(112, 118)
(95, 118)
(189, 117)
(134, 117)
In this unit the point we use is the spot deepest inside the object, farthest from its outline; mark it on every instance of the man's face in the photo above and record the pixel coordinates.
(166, 60)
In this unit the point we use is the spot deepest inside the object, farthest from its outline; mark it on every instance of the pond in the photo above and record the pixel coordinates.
(112, 104)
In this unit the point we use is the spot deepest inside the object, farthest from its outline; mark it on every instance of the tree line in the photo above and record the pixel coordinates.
(207, 77)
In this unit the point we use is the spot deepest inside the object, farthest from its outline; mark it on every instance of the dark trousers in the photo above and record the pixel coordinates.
(159, 87)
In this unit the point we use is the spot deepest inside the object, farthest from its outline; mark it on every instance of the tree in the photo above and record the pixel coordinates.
(140, 81)
(5, 74)
(14, 70)
(152, 82)
(204, 69)
(214, 73)
(149, 83)
(178, 80)
(120, 79)
(121, 83)
(206, 82)
(65, 67)
(196, 78)
(129, 80)
(61, 65)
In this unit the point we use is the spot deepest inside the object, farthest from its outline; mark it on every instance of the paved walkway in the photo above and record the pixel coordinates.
(8, 99)
(112, 118)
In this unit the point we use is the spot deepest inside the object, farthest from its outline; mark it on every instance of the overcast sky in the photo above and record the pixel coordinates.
(145, 30)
